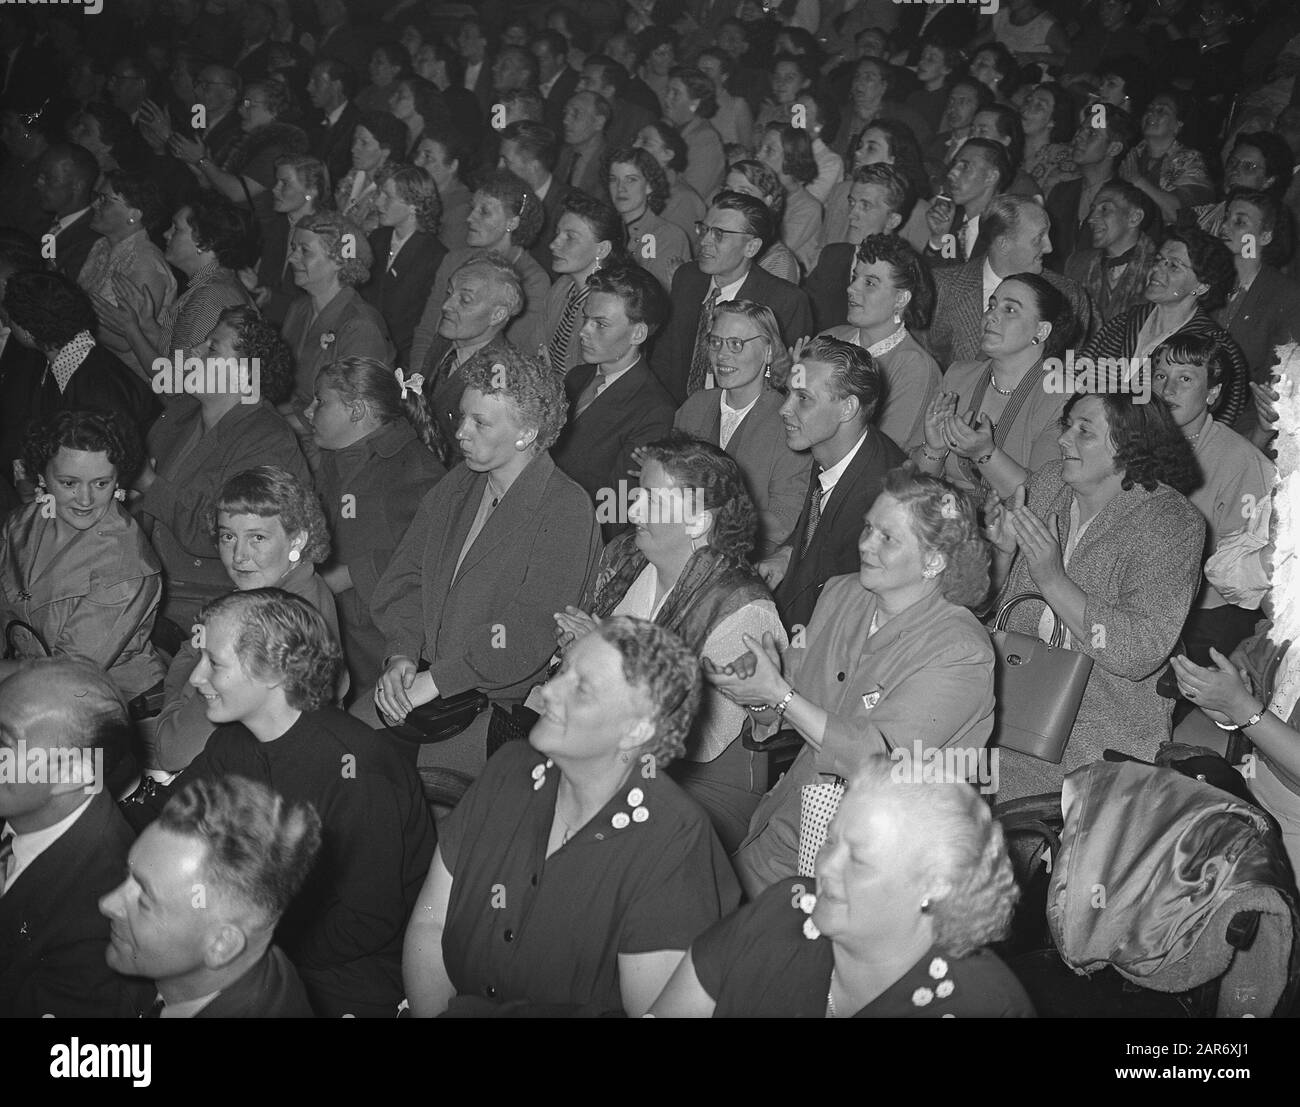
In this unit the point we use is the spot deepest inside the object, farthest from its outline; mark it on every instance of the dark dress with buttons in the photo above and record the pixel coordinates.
(647, 873)
(759, 963)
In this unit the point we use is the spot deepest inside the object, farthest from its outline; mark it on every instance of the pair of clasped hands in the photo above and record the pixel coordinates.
(946, 429)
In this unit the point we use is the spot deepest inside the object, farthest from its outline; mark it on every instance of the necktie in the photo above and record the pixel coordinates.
(559, 347)
(700, 356)
(155, 1009)
(594, 388)
(444, 367)
(814, 510)
(6, 853)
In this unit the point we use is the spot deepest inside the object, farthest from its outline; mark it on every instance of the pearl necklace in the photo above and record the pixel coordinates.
(994, 383)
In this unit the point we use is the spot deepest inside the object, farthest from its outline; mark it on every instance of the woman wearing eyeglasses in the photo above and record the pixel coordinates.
(743, 416)
(1191, 277)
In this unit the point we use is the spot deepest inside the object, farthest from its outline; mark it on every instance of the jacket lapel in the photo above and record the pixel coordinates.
(520, 502)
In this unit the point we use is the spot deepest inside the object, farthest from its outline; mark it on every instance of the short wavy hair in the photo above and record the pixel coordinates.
(760, 315)
(258, 847)
(1274, 217)
(900, 195)
(416, 187)
(666, 670)
(906, 152)
(797, 161)
(331, 227)
(929, 502)
(534, 140)
(50, 307)
(508, 284)
(964, 853)
(1206, 351)
(759, 220)
(536, 393)
(765, 180)
(672, 139)
(1150, 448)
(698, 87)
(601, 219)
(275, 493)
(854, 372)
(94, 432)
(387, 130)
(643, 297)
(707, 469)
(517, 199)
(141, 191)
(1212, 264)
(315, 178)
(277, 96)
(910, 274)
(256, 338)
(281, 637)
(228, 231)
(655, 178)
(429, 104)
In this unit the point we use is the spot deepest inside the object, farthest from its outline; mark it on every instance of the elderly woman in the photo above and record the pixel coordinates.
(330, 258)
(891, 658)
(505, 219)
(127, 210)
(247, 173)
(74, 566)
(609, 870)
(686, 567)
(269, 533)
(377, 139)
(380, 453)
(689, 104)
(267, 670)
(494, 549)
(891, 296)
(787, 151)
(199, 443)
(302, 187)
(912, 885)
(1171, 174)
(754, 178)
(208, 241)
(588, 234)
(684, 206)
(417, 105)
(1107, 537)
(996, 419)
(406, 246)
(742, 415)
(1190, 279)
(638, 189)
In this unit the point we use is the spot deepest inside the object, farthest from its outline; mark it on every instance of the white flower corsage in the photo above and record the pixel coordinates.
(327, 340)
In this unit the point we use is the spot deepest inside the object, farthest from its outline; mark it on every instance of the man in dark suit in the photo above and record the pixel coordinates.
(586, 116)
(621, 48)
(65, 183)
(1015, 235)
(330, 88)
(980, 171)
(255, 26)
(1098, 152)
(1114, 269)
(64, 844)
(482, 297)
(615, 403)
(218, 88)
(208, 881)
(556, 79)
(737, 228)
(529, 150)
(949, 25)
(605, 77)
(471, 44)
(835, 390)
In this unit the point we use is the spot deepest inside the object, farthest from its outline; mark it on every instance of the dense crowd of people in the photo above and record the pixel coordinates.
(491, 497)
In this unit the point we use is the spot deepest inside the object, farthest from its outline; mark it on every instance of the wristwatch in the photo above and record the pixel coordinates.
(780, 707)
(1252, 721)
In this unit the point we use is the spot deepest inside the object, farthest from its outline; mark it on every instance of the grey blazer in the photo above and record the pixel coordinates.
(488, 625)
(775, 475)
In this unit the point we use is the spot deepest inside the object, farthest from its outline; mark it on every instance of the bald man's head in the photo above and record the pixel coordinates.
(61, 723)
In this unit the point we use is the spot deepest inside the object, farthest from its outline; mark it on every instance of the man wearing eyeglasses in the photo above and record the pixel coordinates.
(615, 403)
(217, 89)
(733, 234)
(128, 86)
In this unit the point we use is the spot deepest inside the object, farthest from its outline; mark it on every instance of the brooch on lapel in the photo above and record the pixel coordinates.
(870, 699)
(327, 340)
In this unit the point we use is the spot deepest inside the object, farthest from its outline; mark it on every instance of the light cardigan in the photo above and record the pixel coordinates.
(912, 380)
(928, 675)
(1139, 563)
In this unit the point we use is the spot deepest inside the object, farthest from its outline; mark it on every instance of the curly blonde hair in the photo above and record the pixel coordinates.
(964, 853)
(536, 393)
(944, 520)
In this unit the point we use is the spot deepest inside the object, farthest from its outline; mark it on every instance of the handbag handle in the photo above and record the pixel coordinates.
(1004, 612)
(18, 624)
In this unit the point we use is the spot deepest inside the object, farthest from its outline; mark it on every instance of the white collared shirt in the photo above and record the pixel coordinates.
(28, 847)
(332, 117)
(608, 378)
(970, 234)
(542, 192)
(732, 417)
(829, 478)
(187, 1009)
(471, 75)
(66, 221)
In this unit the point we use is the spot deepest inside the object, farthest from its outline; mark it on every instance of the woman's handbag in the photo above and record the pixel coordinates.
(1037, 687)
(441, 718)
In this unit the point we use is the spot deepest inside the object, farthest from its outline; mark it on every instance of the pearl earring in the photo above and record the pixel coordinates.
(294, 555)
(925, 906)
